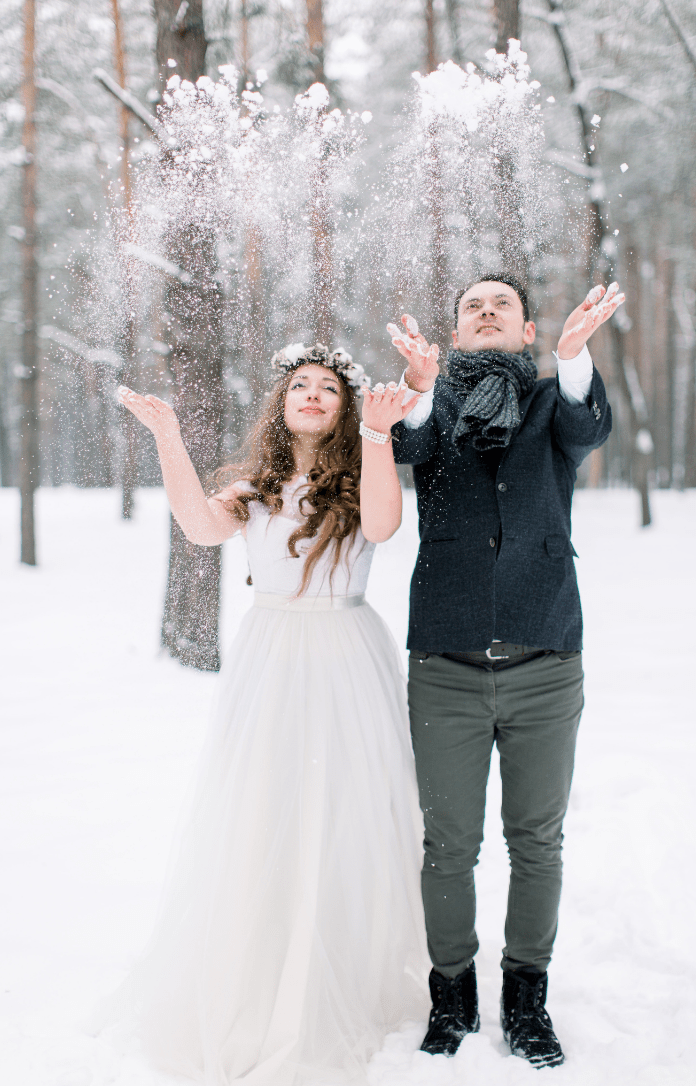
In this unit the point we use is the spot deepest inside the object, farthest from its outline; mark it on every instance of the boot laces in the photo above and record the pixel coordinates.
(529, 1003)
(450, 1003)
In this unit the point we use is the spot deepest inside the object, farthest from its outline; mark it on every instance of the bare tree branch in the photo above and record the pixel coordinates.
(161, 262)
(136, 108)
(103, 357)
(678, 29)
(565, 161)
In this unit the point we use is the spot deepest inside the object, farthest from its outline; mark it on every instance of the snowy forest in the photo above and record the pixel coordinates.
(190, 185)
(177, 204)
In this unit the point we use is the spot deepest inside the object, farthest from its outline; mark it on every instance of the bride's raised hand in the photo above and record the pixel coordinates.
(422, 358)
(154, 413)
(384, 407)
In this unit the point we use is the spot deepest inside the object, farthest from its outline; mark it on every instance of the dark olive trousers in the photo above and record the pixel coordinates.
(458, 711)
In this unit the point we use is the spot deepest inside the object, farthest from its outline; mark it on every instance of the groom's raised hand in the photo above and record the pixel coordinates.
(421, 357)
(583, 321)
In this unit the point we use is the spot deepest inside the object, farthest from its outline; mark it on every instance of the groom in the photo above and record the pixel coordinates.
(495, 633)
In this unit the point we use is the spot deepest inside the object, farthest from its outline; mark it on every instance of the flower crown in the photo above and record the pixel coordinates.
(296, 354)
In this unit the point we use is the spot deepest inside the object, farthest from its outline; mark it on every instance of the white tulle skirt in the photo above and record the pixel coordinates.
(291, 939)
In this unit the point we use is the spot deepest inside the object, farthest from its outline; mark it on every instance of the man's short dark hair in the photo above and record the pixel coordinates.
(496, 277)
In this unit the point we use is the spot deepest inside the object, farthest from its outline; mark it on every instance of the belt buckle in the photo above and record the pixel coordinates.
(501, 657)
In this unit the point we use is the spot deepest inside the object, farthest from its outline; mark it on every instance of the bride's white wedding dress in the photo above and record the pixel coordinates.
(291, 937)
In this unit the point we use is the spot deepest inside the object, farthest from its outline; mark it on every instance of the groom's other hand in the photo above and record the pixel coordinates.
(421, 357)
(597, 308)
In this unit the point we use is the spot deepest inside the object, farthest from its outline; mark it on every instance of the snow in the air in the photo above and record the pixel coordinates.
(100, 735)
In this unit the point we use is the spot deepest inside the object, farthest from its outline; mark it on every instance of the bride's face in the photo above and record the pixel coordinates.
(313, 401)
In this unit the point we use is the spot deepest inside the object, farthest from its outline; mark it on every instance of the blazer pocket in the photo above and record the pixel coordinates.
(559, 546)
(445, 539)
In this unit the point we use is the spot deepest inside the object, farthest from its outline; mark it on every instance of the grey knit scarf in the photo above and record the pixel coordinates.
(489, 386)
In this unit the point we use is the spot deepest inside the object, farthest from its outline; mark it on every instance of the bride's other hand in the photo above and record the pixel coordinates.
(422, 358)
(154, 413)
(203, 521)
(384, 407)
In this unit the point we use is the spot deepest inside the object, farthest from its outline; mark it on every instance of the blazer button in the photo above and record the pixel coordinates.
(502, 487)
(492, 541)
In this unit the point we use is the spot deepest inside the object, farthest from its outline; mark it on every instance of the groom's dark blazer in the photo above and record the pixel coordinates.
(495, 559)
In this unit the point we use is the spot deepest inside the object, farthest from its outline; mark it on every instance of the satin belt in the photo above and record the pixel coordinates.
(306, 603)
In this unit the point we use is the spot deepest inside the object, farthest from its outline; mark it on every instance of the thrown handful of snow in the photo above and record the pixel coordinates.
(411, 326)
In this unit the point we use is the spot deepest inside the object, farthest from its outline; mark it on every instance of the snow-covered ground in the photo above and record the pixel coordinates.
(100, 734)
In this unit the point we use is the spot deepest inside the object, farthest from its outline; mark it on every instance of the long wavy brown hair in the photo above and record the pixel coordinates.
(331, 503)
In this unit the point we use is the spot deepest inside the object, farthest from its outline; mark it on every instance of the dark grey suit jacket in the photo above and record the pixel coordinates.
(495, 559)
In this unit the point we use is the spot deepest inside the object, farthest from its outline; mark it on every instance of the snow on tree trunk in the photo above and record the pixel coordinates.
(193, 316)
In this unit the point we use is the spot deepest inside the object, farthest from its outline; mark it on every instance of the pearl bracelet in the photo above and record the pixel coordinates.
(373, 435)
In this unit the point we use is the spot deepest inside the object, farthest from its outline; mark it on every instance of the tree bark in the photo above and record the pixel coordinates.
(315, 38)
(690, 437)
(451, 7)
(195, 332)
(506, 16)
(671, 368)
(29, 424)
(244, 40)
(6, 473)
(252, 324)
(513, 254)
(128, 335)
(181, 38)
(430, 47)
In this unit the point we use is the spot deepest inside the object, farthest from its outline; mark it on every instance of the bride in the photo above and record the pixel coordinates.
(290, 940)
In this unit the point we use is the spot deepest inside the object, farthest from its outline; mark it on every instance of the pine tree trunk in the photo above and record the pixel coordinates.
(315, 38)
(29, 424)
(439, 285)
(513, 254)
(641, 436)
(506, 16)
(180, 37)
(195, 331)
(128, 336)
(252, 310)
(6, 473)
(430, 45)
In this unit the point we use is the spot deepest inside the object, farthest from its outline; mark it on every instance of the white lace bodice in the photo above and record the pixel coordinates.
(272, 568)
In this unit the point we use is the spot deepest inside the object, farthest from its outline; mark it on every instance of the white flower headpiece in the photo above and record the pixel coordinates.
(296, 354)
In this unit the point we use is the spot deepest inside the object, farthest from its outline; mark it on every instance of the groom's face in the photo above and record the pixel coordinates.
(491, 317)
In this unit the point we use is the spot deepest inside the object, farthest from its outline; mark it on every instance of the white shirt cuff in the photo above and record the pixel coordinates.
(421, 412)
(575, 376)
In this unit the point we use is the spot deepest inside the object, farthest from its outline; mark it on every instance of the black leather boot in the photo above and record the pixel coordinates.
(454, 1013)
(526, 1025)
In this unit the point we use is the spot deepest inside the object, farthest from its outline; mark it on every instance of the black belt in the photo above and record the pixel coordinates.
(499, 654)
